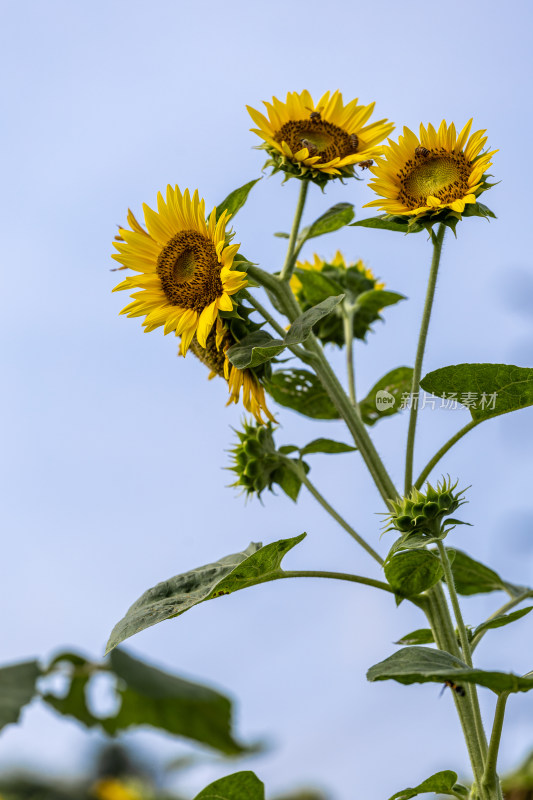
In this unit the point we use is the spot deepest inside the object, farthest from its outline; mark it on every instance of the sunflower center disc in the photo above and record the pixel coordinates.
(324, 138)
(431, 177)
(189, 270)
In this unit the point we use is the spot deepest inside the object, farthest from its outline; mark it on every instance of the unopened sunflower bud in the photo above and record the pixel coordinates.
(425, 513)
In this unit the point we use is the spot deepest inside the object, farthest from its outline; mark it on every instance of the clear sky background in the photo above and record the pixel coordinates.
(113, 474)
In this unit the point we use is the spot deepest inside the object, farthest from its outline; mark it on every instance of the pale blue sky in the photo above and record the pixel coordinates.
(115, 449)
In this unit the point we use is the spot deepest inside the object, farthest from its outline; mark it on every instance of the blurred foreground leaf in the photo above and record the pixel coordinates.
(17, 689)
(239, 786)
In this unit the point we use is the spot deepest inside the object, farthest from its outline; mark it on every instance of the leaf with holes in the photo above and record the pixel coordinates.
(236, 199)
(148, 697)
(301, 390)
(487, 390)
(385, 397)
(257, 564)
(426, 665)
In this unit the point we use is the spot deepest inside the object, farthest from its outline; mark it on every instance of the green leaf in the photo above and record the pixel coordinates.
(376, 299)
(420, 636)
(384, 223)
(236, 199)
(289, 482)
(425, 665)
(473, 577)
(501, 620)
(317, 286)
(255, 349)
(17, 689)
(282, 235)
(302, 326)
(410, 573)
(440, 783)
(487, 390)
(239, 786)
(384, 399)
(149, 696)
(169, 599)
(326, 446)
(301, 390)
(335, 218)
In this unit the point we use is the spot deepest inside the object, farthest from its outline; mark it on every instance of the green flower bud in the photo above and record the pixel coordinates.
(424, 513)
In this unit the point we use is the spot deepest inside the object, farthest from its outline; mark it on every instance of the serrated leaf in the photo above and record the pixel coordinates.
(501, 620)
(410, 573)
(335, 218)
(426, 665)
(302, 326)
(381, 223)
(440, 783)
(375, 299)
(326, 446)
(239, 786)
(236, 199)
(420, 636)
(487, 390)
(149, 696)
(17, 689)
(384, 399)
(169, 599)
(473, 577)
(255, 349)
(302, 391)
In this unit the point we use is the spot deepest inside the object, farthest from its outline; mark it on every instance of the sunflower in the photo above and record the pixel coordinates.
(214, 356)
(438, 172)
(321, 141)
(314, 281)
(114, 789)
(185, 267)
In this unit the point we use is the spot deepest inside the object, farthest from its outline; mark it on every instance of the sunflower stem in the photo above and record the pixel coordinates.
(288, 266)
(347, 319)
(417, 372)
(491, 781)
(443, 450)
(300, 472)
(341, 576)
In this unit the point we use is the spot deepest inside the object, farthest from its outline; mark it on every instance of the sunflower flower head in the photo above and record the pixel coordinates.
(184, 265)
(315, 281)
(319, 141)
(229, 330)
(114, 789)
(435, 177)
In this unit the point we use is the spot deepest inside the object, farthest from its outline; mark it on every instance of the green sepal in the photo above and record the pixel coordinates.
(171, 598)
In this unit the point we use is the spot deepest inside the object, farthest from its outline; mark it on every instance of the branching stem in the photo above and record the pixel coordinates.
(288, 266)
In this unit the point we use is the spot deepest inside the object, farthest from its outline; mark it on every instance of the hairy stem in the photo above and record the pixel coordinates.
(347, 319)
(443, 450)
(331, 511)
(417, 372)
(491, 781)
(288, 266)
(340, 576)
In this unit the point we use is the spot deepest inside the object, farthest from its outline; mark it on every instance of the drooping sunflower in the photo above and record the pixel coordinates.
(184, 265)
(314, 281)
(214, 356)
(437, 172)
(319, 141)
